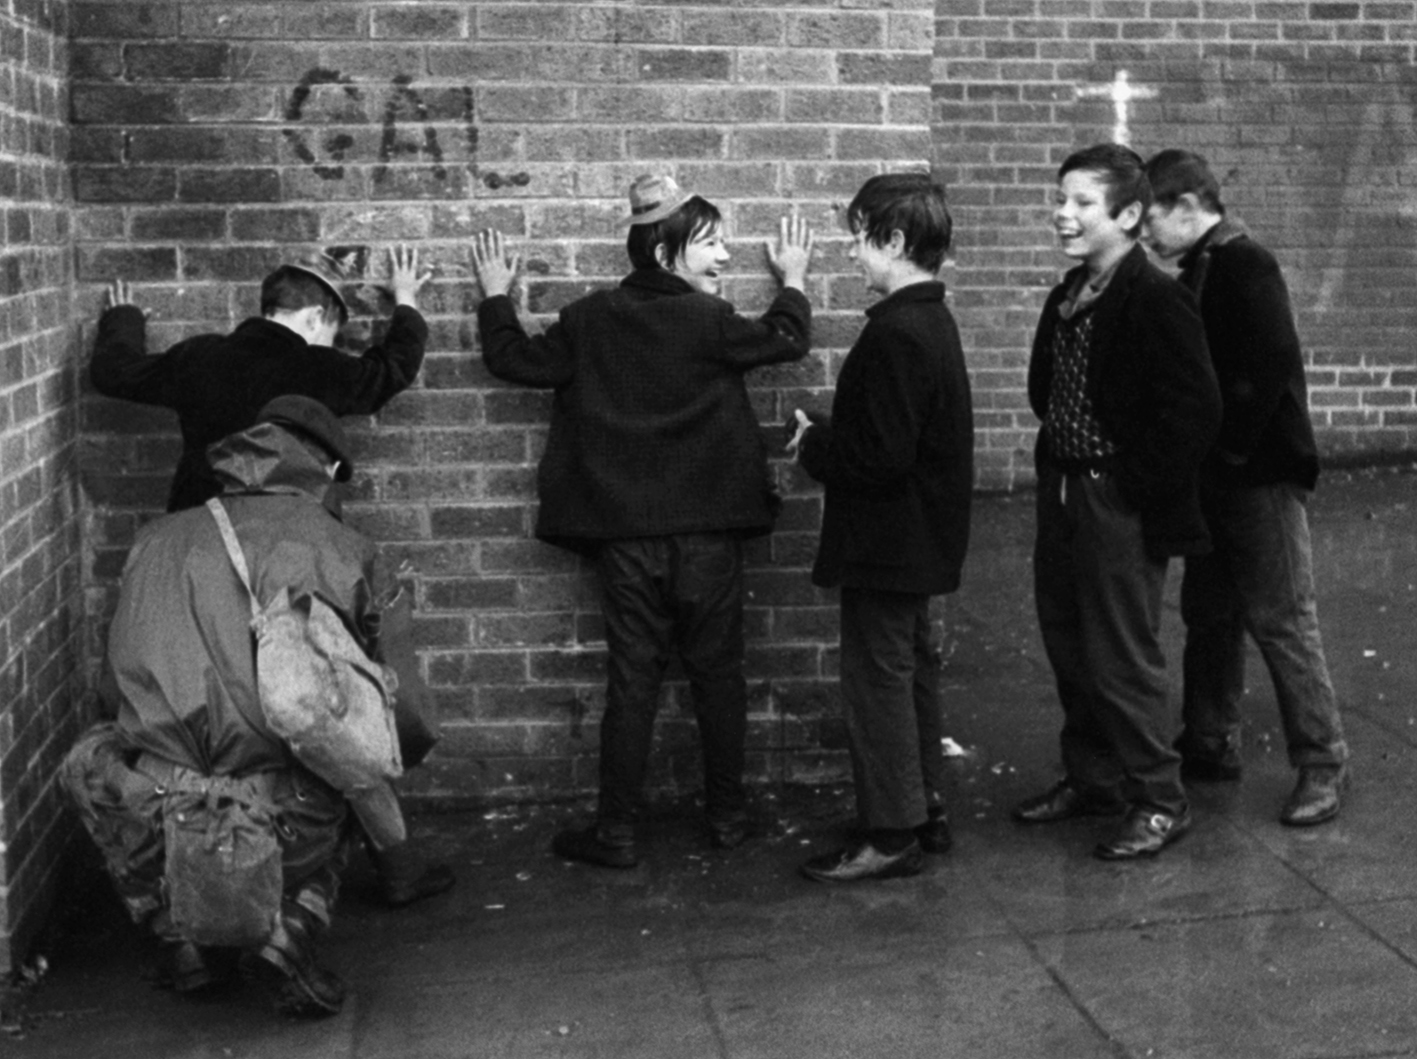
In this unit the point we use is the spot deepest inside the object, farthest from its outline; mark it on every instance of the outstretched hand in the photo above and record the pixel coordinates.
(496, 270)
(405, 281)
(793, 253)
(117, 293)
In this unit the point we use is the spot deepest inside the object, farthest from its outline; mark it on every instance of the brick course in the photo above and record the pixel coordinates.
(41, 591)
(1304, 110)
(207, 139)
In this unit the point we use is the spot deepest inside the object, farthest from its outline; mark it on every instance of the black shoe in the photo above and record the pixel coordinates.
(865, 861)
(401, 891)
(186, 969)
(730, 833)
(934, 834)
(1209, 759)
(1144, 833)
(594, 846)
(1316, 796)
(1065, 800)
(1201, 769)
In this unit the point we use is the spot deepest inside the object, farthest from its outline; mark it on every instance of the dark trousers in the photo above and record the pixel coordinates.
(658, 595)
(890, 687)
(1099, 609)
(1259, 578)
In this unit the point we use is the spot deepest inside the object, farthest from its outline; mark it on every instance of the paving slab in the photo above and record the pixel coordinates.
(1246, 939)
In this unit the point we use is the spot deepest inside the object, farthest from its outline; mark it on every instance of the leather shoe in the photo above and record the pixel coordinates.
(865, 861)
(596, 845)
(1316, 796)
(1144, 833)
(729, 833)
(1065, 800)
(186, 969)
(430, 882)
(934, 834)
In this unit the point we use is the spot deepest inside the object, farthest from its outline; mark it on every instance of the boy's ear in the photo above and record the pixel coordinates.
(1130, 216)
(897, 244)
(662, 256)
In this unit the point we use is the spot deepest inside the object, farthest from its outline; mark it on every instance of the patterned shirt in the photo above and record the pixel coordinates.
(1074, 432)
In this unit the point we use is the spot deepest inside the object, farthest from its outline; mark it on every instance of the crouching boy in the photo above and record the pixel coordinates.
(217, 837)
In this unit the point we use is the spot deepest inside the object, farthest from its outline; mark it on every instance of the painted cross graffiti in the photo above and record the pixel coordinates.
(1121, 92)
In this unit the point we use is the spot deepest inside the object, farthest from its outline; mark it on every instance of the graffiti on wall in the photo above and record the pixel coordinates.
(409, 130)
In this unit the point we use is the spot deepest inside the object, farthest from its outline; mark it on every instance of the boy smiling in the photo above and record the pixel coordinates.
(1121, 379)
(896, 458)
(655, 469)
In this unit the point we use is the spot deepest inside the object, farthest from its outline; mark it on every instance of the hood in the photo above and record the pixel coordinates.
(267, 458)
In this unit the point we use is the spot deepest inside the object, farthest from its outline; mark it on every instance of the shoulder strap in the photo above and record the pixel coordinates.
(233, 549)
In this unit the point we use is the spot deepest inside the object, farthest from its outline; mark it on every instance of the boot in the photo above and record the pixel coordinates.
(404, 877)
(300, 987)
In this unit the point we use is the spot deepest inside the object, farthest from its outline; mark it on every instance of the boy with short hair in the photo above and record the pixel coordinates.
(897, 460)
(1254, 484)
(1121, 380)
(656, 469)
(217, 383)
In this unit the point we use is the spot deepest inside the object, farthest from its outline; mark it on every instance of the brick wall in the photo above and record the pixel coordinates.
(1306, 112)
(41, 597)
(211, 140)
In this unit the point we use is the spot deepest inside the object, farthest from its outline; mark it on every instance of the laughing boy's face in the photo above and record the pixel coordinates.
(703, 259)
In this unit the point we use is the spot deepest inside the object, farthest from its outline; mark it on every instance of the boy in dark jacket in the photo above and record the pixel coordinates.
(655, 468)
(897, 460)
(1120, 377)
(217, 383)
(1254, 484)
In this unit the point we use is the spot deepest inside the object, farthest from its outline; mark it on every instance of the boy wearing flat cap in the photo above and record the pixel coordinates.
(217, 383)
(656, 469)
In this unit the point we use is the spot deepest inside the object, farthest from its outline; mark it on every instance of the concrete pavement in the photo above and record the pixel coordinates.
(1246, 939)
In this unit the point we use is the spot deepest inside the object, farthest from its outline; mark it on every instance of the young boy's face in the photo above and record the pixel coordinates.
(874, 261)
(1083, 221)
(703, 259)
(1169, 230)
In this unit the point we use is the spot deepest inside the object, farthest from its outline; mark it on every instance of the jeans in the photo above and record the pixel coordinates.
(659, 594)
(890, 685)
(1259, 579)
(1098, 596)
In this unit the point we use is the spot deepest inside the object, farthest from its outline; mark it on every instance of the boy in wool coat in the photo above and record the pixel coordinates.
(897, 460)
(1121, 379)
(655, 469)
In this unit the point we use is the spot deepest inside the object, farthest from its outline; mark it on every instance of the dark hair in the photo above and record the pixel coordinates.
(1174, 173)
(674, 232)
(1121, 170)
(911, 203)
(292, 289)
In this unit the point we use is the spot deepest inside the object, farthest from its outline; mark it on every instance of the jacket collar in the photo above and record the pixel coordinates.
(1227, 231)
(928, 291)
(659, 281)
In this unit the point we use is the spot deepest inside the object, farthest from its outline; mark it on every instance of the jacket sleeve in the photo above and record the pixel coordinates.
(120, 366)
(1261, 345)
(546, 360)
(1184, 397)
(362, 385)
(781, 334)
(876, 450)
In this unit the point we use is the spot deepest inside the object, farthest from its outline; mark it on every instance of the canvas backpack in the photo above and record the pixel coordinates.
(319, 691)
